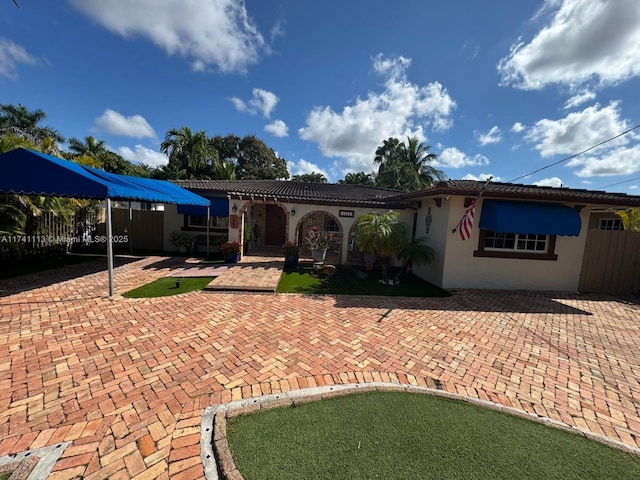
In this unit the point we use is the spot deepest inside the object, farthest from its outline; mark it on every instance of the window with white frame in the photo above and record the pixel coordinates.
(516, 246)
(515, 242)
(610, 224)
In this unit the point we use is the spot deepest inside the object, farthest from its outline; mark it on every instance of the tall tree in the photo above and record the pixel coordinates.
(253, 159)
(314, 177)
(89, 147)
(19, 121)
(359, 178)
(405, 166)
(189, 152)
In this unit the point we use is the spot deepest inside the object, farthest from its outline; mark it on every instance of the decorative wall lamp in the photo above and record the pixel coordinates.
(234, 209)
(293, 212)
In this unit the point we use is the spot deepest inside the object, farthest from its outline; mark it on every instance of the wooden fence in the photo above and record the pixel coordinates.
(145, 230)
(611, 263)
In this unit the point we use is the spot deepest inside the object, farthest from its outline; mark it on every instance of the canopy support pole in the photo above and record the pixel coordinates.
(129, 238)
(109, 247)
(208, 217)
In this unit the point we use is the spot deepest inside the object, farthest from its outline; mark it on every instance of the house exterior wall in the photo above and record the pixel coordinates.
(458, 268)
(432, 222)
(172, 222)
(304, 212)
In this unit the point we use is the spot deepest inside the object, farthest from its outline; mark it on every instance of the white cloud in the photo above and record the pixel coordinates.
(240, 104)
(302, 166)
(453, 158)
(483, 177)
(277, 128)
(117, 124)
(579, 98)
(208, 33)
(517, 127)
(578, 130)
(143, 155)
(402, 108)
(262, 102)
(492, 136)
(12, 55)
(549, 182)
(584, 41)
(617, 161)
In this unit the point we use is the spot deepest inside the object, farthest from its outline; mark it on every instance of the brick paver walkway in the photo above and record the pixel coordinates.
(126, 380)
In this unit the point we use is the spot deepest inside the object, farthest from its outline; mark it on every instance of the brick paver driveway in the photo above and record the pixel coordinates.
(127, 380)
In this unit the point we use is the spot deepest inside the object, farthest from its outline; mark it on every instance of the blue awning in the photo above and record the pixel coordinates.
(29, 172)
(219, 207)
(529, 218)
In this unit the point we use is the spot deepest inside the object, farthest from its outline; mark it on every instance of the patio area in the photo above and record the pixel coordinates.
(127, 381)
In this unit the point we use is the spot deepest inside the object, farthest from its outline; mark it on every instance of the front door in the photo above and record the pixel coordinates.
(275, 226)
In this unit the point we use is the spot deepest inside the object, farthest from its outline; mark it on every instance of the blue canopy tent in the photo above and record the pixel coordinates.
(182, 197)
(28, 172)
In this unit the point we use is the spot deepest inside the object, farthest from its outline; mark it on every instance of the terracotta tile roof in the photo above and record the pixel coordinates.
(471, 188)
(303, 192)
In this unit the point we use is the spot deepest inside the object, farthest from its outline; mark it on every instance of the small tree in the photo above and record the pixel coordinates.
(385, 236)
(381, 234)
(630, 219)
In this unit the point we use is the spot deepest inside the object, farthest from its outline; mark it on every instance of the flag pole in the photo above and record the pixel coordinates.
(484, 187)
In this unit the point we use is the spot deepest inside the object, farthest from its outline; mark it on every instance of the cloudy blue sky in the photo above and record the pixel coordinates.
(500, 88)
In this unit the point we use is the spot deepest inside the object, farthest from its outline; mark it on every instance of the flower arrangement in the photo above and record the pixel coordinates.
(291, 249)
(180, 239)
(318, 239)
(230, 248)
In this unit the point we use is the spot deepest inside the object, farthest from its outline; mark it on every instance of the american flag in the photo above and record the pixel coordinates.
(466, 224)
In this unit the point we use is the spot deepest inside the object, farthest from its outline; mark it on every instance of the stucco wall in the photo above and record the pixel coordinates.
(460, 269)
(172, 222)
(346, 223)
(436, 219)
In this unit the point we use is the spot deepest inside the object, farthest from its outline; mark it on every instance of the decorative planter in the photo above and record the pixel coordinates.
(319, 255)
(232, 258)
(291, 261)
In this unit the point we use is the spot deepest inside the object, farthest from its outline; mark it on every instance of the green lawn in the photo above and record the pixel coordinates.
(399, 435)
(167, 286)
(351, 282)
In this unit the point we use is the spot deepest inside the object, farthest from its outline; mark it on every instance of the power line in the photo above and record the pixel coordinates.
(576, 154)
(619, 183)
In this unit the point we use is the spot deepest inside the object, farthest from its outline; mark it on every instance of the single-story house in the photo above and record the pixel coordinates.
(521, 237)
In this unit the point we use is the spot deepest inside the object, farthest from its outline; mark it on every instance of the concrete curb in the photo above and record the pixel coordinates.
(217, 459)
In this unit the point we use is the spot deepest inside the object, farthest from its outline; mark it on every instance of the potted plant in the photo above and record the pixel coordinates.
(291, 255)
(318, 241)
(181, 240)
(231, 251)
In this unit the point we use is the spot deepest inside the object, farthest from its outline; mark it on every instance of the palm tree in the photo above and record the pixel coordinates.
(405, 166)
(381, 234)
(630, 219)
(90, 147)
(19, 121)
(191, 152)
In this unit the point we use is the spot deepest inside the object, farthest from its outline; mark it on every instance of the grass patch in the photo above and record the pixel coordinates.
(352, 281)
(5, 476)
(35, 265)
(400, 435)
(164, 287)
